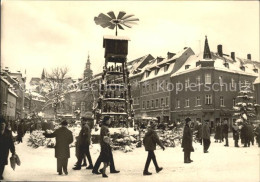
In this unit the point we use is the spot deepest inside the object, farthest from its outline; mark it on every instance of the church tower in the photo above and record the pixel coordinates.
(88, 73)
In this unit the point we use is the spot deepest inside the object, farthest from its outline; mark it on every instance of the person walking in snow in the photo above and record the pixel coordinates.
(150, 140)
(251, 133)
(206, 136)
(6, 144)
(20, 131)
(187, 141)
(62, 151)
(218, 133)
(104, 131)
(245, 134)
(83, 144)
(225, 132)
(235, 130)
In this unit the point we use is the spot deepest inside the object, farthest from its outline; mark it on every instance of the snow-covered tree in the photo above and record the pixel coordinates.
(245, 106)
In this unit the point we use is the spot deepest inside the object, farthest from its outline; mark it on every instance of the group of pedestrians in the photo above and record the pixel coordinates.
(64, 138)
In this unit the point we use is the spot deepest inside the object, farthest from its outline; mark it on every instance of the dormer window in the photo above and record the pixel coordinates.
(255, 70)
(147, 73)
(242, 68)
(226, 65)
(156, 71)
(166, 67)
(187, 67)
(197, 63)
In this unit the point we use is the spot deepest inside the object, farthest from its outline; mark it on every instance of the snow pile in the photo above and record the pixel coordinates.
(170, 138)
(37, 139)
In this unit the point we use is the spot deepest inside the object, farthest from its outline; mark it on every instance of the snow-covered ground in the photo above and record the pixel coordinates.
(220, 164)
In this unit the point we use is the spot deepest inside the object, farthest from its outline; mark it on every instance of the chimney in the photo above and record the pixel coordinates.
(170, 55)
(249, 56)
(233, 55)
(220, 52)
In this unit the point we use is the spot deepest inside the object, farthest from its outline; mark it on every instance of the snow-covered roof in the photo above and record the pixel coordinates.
(116, 37)
(4, 80)
(12, 92)
(257, 81)
(234, 65)
(135, 64)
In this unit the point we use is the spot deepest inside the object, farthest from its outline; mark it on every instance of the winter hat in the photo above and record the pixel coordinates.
(64, 123)
(187, 120)
(105, 119)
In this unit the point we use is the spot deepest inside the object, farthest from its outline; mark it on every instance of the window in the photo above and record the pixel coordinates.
(208, 99)
(187, 102)
(187, 67)
(167, 101)
(82, 107)
(197, 63)
(152, 87)
(152, 104)
(166, 84)
(162, 102)
(143, 104)
(198, 101)
(156, 102)
(220, 81)
(147, 73)
(143, 88)
(178, 103)
(232, 82)
(207, 78)
(198, 80)
(234, 102)
(147, 104)
(187, 82)
(166, 68)
(156, 71)
(221, 101)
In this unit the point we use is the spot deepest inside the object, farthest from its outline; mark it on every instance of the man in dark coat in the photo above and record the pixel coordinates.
(150, 140)
(83, 144)
(20, 131)
(218, 133)
(245, 135)
(206, 136)
(6, 144)
(235, 130)
(225, 132)
(104, 131)
(187, 141)
(251, 133)
(62, 151)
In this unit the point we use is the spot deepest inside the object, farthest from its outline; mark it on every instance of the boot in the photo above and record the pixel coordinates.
(189, 157)
(90, 166)
(76, 168)
(146, 173)
(159, 169)
(186, 159)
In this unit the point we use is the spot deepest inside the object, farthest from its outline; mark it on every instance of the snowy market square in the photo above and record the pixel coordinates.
(130, 91)
(220, 164)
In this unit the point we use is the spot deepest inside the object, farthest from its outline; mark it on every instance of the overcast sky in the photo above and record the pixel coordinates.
(40, 34)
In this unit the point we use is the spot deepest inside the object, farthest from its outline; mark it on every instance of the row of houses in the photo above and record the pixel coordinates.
(201, 86)
(12, 94)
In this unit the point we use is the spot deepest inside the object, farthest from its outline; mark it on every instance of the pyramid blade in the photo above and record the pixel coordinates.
(121, 14)
(107, 24)
(131, 23)
(127, 16)
(100, 21)
(112, 26)
(120, 27)
(112, 14)
(104, 17)
(129, 26)
(131, 19)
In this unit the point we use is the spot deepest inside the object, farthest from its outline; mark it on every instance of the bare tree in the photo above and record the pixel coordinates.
(57, 87)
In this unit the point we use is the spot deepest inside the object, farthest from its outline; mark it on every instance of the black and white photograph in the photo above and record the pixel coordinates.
(123, 91)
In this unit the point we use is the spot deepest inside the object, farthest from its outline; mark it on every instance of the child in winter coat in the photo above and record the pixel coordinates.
(150, 140)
